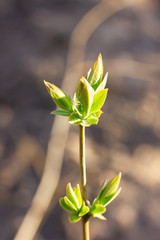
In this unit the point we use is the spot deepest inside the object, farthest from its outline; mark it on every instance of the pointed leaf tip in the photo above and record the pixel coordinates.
(103, 83)
(99, 216)
(46, 85)
(95, 76)
(71, 196)
(110, 188)
(59, 97)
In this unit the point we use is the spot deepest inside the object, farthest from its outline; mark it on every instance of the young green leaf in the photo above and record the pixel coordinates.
(89, 120)
(71, 196)
(97, 209)
(73, 217)
(74, 119)
(97, 114)
(88, 203)
(61, 112)
(93, 116)
(84, 94)
(78, 195)
(95, 76)
(103, 83)
(84, 211)
(99, 216)
(59, 97)
(65, 206)
(100, 191)
(110, 198)
(98, 100)
(88, 74)
(110, 188)
(76, 105)
(95, 201)
(69, 204)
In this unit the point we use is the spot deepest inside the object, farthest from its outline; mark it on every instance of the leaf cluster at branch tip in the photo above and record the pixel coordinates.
(85, 107)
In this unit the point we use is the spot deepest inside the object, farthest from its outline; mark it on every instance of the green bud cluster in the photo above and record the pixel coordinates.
(108, 192)
(74, 203)
(89, 98)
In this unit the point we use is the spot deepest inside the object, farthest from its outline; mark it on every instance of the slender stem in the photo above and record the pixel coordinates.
(85, 220)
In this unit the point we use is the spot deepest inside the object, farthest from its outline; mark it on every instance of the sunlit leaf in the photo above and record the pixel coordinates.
(96, 114)
(95, 201)
(93, 118)
(74, 119)
(78, 195)
(59, 97)
(103, 83)
(88, 74)
(99, 216)
(111, 187)
(88, 203)
(97, 209)
(98, 100)
(84, 94)
(84, 211)
(96, 74)
(65, 206)
(110, 198)
(71, 196)
(101, 190)
(61, 112)
(73, 217)
(90, 120)
(69, 204)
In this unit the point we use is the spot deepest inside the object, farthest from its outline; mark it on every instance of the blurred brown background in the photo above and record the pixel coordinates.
(39, 40)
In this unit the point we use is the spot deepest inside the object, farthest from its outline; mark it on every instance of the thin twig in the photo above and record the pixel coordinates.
(85, 220)
(82, 159)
